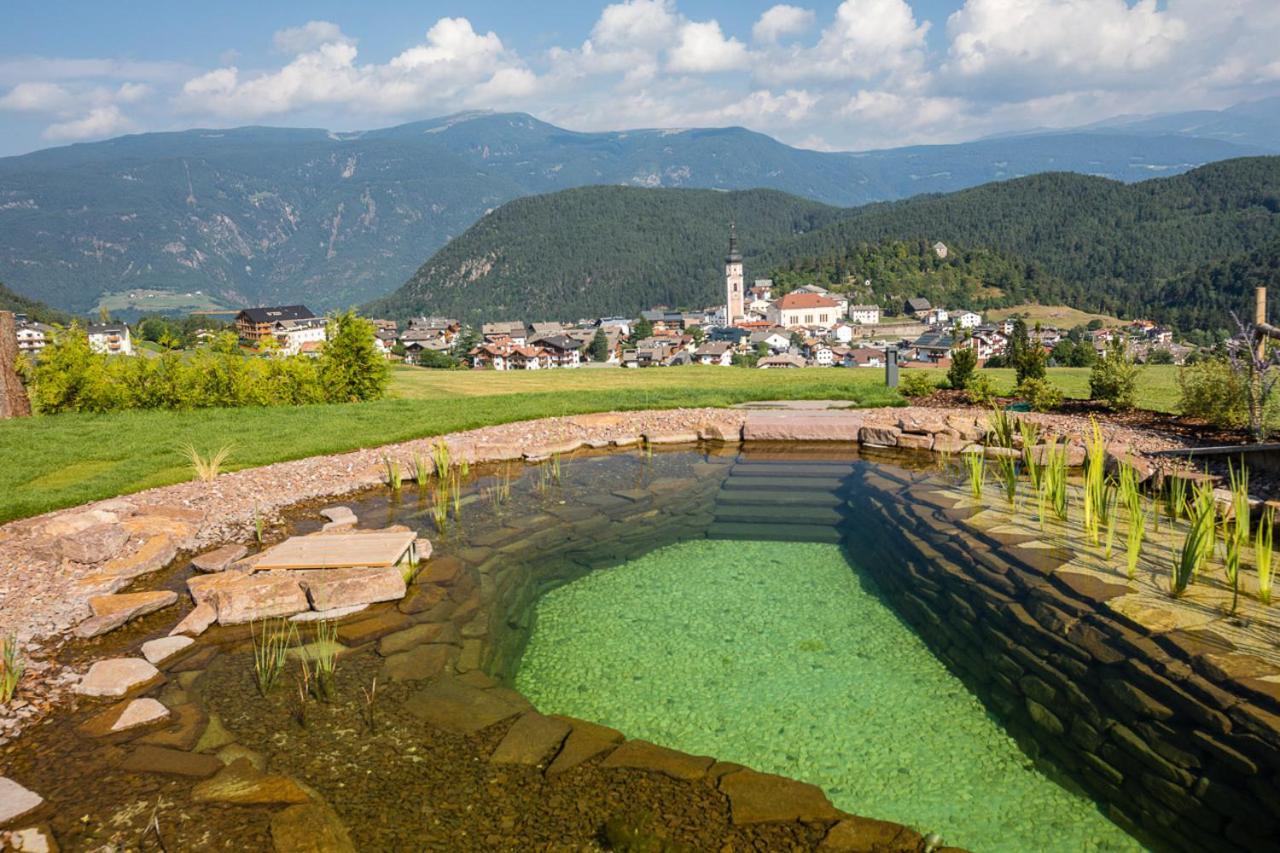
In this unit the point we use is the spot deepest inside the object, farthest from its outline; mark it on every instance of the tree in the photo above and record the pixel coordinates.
(697, 334)
(963, 362)
(351, 368)
(641, 330)
(598, 349)
(1160, 355)
(1027, 356)
(1113, 380)
(465, 341)
(797, 340)
(436, 360)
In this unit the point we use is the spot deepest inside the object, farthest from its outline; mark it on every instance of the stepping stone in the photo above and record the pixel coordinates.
(219, 559)
(215, 736)
(187, 722)
(249, 599)
(339, 514)
(116, 677)
(197, 621)
(242, 784)
(333, 588)
(112, 611)
(530, 740)
(310, 828)
(643, 755)
(16, 802)
(417, 664)
(125, 717)
(585, 741)
(441, 570)
(171, 762)
(763, 798)
(158, 651)
(457, 708)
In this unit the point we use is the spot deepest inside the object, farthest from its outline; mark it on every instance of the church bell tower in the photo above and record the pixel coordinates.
(733, 279)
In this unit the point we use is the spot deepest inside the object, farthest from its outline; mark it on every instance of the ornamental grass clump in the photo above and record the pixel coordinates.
(271, 650)
(1030, 435)
(1007, 471)
(1175, 497)
(1236, 536)
(975, 465)
(1002, 427)
(1262, 554)
(11, 668)
(391, 467)
(1133, 540)
(1053, 480)
(325, 648)
(1096, 484)
(440, 457)
(1198, 543)
(421, 471)
(205, 468)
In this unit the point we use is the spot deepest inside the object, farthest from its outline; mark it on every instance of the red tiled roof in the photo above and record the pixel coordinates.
(796, 300)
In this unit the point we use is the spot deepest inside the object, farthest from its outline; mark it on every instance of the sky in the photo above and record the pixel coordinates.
(835, 75)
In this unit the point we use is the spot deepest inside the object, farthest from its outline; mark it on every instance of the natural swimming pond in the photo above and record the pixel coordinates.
(852, 619)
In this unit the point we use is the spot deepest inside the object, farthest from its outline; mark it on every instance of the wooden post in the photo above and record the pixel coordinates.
(13, 397)
(1260, 319)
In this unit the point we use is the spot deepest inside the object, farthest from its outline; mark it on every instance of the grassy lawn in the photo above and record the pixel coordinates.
(1059, 316)
(55, 461)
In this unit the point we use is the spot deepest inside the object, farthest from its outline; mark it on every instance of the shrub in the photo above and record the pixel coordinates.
(980, 390)
(1160, 355)
(963, 363)
(1041, 394)
(1212, 391)
(351, 368)
(1114, 377)
(916, 383)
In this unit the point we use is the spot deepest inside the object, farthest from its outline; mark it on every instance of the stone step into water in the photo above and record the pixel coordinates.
(774, 532)
(757, 497)
(765, 514)
(789, 469)
(828, 484)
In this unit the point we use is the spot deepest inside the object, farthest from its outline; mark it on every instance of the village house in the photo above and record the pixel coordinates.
(783, 361)
(775, 338)
(110, 338)
(804, 309)
(864, 315)
(294, 335)
(512, 330)
(562, 350)
(937, 317)
(842, 303)
(841, 332)
(714, 352)
(33, 337)
(967, 320)
(933, 346)
(917, 306)
(255, 324)
(821, 355)
(864, 357)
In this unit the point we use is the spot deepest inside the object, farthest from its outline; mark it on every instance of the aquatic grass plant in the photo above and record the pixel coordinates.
(1237, 536)
(391, 467)
(205, 468)
(455, 492)
(302, 691)
(1053, 481)
(440, 457)
(11, 668)
(1007, 472)
(421, 471)
(1096, 502)
(1111, 515)
(975, 465)
(1001, 427)
(271, 650)
(1191, 556)
(1175, 497)
(370, 696)
(258, 525)
(1262, 553)
(325, 649)
(1133, 539)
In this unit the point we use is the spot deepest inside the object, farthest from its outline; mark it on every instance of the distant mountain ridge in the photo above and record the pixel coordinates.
(261, 215)
(1093, 243)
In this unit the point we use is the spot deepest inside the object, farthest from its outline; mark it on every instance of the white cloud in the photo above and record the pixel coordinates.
(100, 122)
(867, 39)
(703, 48)
(312, 34)
(40, 97)
(781, 20)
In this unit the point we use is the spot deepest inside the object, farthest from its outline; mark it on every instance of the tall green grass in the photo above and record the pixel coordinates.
(1262, 553)
(975, 466)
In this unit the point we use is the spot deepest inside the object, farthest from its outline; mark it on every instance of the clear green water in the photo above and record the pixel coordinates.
(779, 656)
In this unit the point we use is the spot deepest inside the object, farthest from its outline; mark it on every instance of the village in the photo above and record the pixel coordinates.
(756, 326)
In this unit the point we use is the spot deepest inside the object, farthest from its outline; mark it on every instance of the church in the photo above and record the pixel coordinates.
(733, 281)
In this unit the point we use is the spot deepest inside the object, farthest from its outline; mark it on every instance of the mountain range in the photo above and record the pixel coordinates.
(1091, 242)
(262, 215)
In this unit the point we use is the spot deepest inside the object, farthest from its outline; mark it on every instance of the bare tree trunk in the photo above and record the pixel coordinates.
(13, 397)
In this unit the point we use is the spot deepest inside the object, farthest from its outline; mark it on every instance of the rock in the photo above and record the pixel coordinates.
(724, 431)
(152, 555)
(197, 621)
(70, 523)
(112, 611)
(232, 752)
(158, 651)
(585, 741)
(879, 436)
(801, 426)
(257, 597)
(647, 756)
(993, 452)
(125, 717)
(660, 438)
(1075, 454)
(204, 588)
(116, 677)
(764, 798)
(347, 525)
(371, 628)
(427, 632)
(188, 720)
(1044, 718)
(94, 544)
(242, 784)
(533, 738)
(16, 802)
(946, 443)
(333, 588)
(215, 736)
(440, 570)
(913, 425)
(865, 835)
(417, 664)
(455, 707)
(218, 559)
(328, 615)
(914, 441)
(171, 762)
(33, 839)
(339, 514)
(309, 828)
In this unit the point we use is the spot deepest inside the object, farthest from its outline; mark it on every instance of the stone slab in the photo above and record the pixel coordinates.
(763, 798)
(260, 597)
(417, 664)
(643, 755)
(455, 707)
(334, 588)
(531, 739)
(242, 784)
(125, 717)
(112, 611)
(16, 802)
(116, 677)
(158, 651)
(197, 621)
(219, 559)
(801, 426)
(170, 762)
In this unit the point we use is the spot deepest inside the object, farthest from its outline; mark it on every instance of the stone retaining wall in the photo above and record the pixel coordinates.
(1178, 733)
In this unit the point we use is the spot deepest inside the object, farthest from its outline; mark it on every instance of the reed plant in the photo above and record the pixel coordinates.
(440, 513)
(271, 650)
(1195, 546)
(258, 525)
(1133, 540)
(440, 457)
(391, 467)
(1175, 497)
(1096, 486)
(205, 468)
(1002, 427)
(1035, 468)
(11, 668)
(1007, 471)
(1262, 553)
(325, 648)
(302, 691)
(1112, 516)
(421, 471)
(370, 696)
(975, 464)
(455, 492)
(1237, 536)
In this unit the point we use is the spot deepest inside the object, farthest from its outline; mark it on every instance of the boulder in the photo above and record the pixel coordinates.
(763, 798)
(339, 514)
(197, 621)
(257, 597)
(171, 762)
(912, 425)
(945, 442)
(219, 559)
(533, 738)
(69, 523)
(242, 784)
(158, 651)
(687, 437)
(187, 722)
(879, 436)
(333, 588)
(309, 828)
(16, 802)
(1075, 454)
(33, 839)
(643, 755)
(125, 717)
(328, 615)
(915, 441)
(94, 544)
(441, 570)
(116, 677)
(724, 431)
(112, 611)
(204, 588)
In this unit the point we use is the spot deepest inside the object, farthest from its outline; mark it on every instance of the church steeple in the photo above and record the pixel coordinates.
(733, 279)
(734, 256)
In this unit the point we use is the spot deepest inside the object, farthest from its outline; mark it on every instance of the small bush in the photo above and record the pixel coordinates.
(1041, 394)
(1113, 379)
(963, 362)
(916, 383)
(1211, 390)
(980, 390)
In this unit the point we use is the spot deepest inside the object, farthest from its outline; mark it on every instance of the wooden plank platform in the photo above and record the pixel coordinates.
(341, 551)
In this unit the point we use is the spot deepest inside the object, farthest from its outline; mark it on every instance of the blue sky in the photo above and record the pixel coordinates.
(841, 74)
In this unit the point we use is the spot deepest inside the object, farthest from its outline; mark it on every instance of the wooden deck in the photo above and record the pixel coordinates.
(339, 551)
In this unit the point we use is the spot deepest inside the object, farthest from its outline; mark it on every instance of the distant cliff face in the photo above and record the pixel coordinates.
(263, 215)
